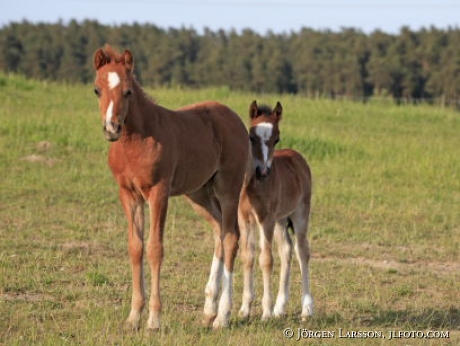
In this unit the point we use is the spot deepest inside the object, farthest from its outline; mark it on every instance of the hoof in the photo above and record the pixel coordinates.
(306, 314)
(153, 324)
(279, 314)
(219, 324)
(153, 330)
(266, 317)
(278, 311)
(131, 326)
(243, 314)
(208, 320)
(307, 307)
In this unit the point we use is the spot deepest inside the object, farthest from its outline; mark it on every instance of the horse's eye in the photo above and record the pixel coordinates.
(127, 93)
(252, 139)
(277, 141)
(97, 91)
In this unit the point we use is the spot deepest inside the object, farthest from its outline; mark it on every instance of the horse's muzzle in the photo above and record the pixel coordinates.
(262, 172)
(112, 131)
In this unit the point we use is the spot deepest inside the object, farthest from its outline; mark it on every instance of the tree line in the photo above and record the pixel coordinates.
(408, 66)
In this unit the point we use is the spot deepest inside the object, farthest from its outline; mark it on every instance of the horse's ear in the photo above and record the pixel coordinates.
(253, 110)
(278, 111)
(129, 60)
(100, 59)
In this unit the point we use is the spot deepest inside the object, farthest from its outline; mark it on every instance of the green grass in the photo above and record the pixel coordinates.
(385, 224)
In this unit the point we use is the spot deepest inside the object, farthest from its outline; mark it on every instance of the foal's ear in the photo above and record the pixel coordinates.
(100, 59)
(253, 110)
(129, 60)
(278, 111)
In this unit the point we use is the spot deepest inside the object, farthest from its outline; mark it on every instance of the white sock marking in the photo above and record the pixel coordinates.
(212, 287)
(225, 304)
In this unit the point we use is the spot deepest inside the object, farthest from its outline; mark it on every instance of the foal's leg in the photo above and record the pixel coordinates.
(284, 245)
(213, 285)
(205, 203)
(227, 188)
(133, 206)
(158, 203)
(266, 230)
(302, 250)
(247, 249)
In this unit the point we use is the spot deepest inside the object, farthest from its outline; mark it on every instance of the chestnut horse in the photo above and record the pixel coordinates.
(199, 151)
(276, 196)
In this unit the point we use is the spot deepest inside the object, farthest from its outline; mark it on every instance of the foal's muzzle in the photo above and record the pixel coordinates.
(112, 131)
(262, 172)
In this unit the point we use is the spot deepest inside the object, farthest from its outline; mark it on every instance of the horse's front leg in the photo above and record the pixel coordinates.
(133, 206)
(247, 249)
(158, 203)
(229, 237)
(266, 230)
(213, 286)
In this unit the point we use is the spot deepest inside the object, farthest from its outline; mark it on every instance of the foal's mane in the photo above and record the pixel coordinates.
(264, 110)
(113, 56)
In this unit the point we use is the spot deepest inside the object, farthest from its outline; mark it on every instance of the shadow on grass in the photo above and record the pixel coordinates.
(416, 319)
(425, 319)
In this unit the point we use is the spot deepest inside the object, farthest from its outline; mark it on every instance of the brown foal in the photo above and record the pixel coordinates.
(275, 197)
(199, 151)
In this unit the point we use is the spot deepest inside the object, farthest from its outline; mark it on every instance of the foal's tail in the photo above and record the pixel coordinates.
(290, 225)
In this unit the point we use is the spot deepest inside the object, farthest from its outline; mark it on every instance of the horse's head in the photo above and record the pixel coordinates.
(113, 86)
(264, 134)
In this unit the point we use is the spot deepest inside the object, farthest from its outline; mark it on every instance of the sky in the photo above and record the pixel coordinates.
(277, 16)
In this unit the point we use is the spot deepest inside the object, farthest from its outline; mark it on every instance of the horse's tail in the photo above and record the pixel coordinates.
(290, 225)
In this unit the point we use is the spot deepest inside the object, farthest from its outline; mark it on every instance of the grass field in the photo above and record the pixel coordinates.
(385, 225)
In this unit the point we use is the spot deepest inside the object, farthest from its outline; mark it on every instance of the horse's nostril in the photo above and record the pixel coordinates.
(262, 173)
(112, 131)
(112, 127)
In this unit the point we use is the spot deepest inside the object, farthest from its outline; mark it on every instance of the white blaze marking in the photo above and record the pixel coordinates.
(264, 131)
(109, 113)
(114, 80)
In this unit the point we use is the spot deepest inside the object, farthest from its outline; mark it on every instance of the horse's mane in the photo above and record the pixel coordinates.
(113, 56)
(264, 110)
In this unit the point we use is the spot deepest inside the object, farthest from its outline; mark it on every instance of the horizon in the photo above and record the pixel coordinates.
(262, 17)
(200, 31)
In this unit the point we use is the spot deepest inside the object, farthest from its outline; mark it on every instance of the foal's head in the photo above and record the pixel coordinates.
(264, 134)
(113, 86)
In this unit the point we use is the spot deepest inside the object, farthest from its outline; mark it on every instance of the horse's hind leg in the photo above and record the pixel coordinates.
(284, 245)
(302, 250)
(205, 203)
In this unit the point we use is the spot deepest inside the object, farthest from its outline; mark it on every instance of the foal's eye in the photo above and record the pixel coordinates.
(252, 139)
(277, 141)
(127, 93)
(97, 91)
